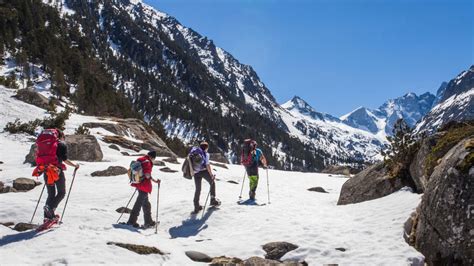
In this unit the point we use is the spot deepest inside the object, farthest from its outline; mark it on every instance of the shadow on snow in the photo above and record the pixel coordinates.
(191, 226)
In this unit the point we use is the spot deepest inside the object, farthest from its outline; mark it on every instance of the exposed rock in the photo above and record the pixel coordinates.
(24, 184)
(139, 249)
(8, 224)
(83, 148)
(372, 183)
(32, 97)
(171, 160)
(218, 157)
(198, 256)
(1, 185)
(20, 227)
(418, 165)
(318, 189)
(137, 129)
(168, 170)
(123, 142)
(340, 170)
(445, 218)
(232, 182)
(341, 249)
(276, 250)
(223, 260)
(124, 210)
(114, 147)
(111, 171)
(158, 163)
(266, 262)
(1, 162)
(220, 165)
(8, 189)
(124, 153)
(30, 157)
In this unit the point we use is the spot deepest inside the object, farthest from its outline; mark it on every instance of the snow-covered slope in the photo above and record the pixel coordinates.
(371, 232)
(456, 103)
(380, 121)
(330, 133)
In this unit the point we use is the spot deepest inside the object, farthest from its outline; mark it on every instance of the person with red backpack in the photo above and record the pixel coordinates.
(51, 157)
(144, 188)
(252, 158)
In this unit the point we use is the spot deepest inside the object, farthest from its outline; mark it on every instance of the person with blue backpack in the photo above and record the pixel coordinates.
(252, 157)
(201, 168)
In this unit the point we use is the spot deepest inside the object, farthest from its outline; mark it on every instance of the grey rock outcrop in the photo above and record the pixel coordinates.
(111, 171)
(372, 183)
(83, 148)
(32, 97)
(417, 167)
(137, 129)
(442, 229)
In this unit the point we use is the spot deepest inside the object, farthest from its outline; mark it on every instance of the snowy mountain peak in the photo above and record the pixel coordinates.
(298, 105)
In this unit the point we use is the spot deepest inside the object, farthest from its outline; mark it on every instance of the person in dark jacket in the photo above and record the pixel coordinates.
(54, 198)
(201, 171)
(144, 188)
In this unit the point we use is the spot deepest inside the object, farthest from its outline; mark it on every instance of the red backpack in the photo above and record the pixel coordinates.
(46, 146)
(246, 156)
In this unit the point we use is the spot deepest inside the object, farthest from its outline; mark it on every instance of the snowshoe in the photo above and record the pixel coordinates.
(48, 223)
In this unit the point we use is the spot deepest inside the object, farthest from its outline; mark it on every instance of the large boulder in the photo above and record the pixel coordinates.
(218, 157)
(146, 137)
(7, 189)
(30, 157)
(25, 184)
(32, 97)
(223, 260)
(276, 250)
(372, 183)
(20, 227)
(111, 171)
(418, 169)
(443, 227)
(83, 148)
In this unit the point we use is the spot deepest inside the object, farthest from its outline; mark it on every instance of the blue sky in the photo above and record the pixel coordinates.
(338, 55)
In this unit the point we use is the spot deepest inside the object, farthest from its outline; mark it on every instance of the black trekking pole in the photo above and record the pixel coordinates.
(41, 195)
(123, 210)
(157, 205)
(243, 181)
(68, 194)
(268, 188)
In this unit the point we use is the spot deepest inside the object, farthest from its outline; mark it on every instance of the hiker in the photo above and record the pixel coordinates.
(144, 188)
(252, 157)
(51, 157)
(202, 169)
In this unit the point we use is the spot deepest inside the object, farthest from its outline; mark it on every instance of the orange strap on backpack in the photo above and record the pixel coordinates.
(52, 172)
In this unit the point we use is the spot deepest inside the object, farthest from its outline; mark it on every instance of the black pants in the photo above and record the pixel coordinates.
(54, 199)
(197, 181)
(141, 203)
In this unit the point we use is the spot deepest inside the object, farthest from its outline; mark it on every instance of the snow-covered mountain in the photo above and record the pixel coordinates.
(380, 121)
(330, 133)
(456, 103)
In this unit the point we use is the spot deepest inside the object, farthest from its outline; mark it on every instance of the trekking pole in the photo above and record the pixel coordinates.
(123, 210)
(268, 188)
(38, 203)
(243, 181)
(205, 203)
(68, 194)
(157, 205)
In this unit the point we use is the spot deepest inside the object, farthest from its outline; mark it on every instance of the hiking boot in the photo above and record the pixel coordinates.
(197, 209)
(252, 195)
(48, 212)
(215, 202)
(149, 224)
(136, 225)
